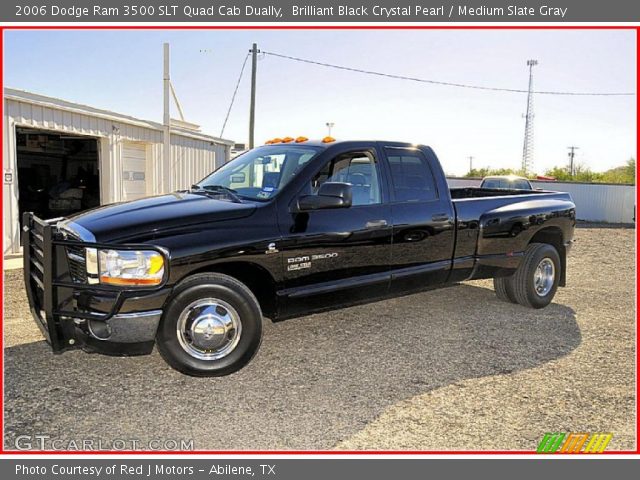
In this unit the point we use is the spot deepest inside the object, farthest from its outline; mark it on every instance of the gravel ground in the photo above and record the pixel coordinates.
(448, 369)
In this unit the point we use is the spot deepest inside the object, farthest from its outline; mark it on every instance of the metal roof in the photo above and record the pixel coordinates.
(58, 103)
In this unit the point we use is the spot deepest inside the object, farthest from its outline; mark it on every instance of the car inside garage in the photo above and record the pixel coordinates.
(58, 173)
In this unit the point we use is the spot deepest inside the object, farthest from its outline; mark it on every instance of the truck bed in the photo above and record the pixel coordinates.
(488, 221)
(477, 192)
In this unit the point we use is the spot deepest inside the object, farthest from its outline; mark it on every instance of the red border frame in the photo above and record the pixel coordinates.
(315, 27)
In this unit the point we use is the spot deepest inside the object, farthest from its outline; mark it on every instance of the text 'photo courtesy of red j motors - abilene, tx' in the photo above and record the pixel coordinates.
(337, 238)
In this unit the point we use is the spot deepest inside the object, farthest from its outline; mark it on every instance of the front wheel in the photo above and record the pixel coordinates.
(212, 326)
(536, 280)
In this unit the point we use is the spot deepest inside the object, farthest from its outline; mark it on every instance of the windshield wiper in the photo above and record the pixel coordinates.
(218, 188)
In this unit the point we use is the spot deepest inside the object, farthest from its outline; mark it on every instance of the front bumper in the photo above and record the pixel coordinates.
(73, 313)
(122, 334)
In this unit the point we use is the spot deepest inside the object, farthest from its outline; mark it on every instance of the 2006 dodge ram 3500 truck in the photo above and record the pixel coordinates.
(286, 229)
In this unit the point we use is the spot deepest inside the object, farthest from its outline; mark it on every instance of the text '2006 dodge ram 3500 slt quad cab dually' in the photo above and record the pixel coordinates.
(280, 231)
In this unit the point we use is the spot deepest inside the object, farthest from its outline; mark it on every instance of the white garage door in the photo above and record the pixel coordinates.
(134, 167)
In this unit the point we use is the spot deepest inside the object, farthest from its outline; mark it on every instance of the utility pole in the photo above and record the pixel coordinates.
(470, 163)
(330, 125)
(572, 154)
(166, 123)
(252, 112)
(527, 149)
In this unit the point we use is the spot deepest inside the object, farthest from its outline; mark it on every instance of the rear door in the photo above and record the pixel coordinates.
(339, 256)
(422, 219)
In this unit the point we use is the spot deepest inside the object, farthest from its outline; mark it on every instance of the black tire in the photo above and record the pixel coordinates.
(210, 286)
(504, 289)
(523, 280)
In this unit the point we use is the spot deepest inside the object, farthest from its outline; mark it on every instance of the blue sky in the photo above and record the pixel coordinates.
(122, 71)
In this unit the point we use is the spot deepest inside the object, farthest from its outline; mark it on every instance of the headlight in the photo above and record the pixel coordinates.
(126, 267)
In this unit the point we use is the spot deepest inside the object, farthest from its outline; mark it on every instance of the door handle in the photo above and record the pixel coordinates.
(376, 224)
(440, 217)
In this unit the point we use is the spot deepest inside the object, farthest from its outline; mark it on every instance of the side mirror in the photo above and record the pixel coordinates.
(330, 195)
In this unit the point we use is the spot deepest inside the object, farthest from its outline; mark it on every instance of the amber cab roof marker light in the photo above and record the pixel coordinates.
(301, 139)
(328, 140)
(287, 140)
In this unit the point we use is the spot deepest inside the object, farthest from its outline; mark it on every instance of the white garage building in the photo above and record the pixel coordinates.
(61, 157)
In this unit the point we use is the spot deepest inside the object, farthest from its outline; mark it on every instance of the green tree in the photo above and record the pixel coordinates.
(622, 174)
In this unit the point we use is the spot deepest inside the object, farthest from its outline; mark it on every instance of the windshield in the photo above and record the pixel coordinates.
(260, 173)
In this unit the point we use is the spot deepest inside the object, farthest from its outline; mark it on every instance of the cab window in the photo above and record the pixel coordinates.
(521, 185)
(360, 169)
(411, 175)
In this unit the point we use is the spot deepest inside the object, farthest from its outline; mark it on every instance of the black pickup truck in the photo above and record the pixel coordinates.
(289, 228)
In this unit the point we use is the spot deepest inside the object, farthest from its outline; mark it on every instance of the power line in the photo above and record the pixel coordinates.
(233, 97)
(437, 82)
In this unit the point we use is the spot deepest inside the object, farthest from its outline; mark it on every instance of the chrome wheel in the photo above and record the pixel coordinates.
(209, 329)
(544, 276)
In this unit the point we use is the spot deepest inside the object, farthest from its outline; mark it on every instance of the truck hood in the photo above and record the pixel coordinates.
(147, 218)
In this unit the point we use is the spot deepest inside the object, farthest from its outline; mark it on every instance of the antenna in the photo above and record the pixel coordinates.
(527, 150)
(252, 108)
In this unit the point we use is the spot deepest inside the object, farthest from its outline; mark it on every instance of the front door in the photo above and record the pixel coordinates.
(340, 256)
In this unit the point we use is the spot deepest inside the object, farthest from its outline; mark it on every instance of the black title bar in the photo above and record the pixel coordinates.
(37, 11)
